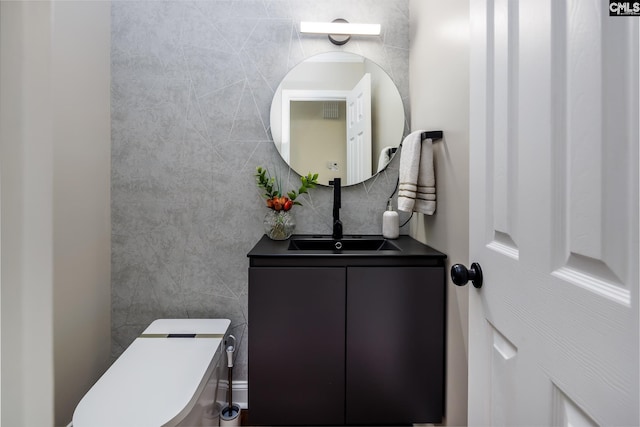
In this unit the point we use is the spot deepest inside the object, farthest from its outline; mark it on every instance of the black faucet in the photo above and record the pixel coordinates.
(337, 225)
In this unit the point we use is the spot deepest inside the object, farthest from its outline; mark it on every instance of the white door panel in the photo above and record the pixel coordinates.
(359, 164)
(554, 214)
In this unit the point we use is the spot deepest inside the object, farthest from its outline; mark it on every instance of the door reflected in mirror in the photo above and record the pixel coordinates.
(339, 115)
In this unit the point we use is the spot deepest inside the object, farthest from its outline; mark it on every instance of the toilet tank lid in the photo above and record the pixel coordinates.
(188, 326)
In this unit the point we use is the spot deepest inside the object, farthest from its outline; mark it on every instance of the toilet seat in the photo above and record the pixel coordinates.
(158, 379)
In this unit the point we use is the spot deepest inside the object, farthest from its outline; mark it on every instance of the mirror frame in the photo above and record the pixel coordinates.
(282, 137)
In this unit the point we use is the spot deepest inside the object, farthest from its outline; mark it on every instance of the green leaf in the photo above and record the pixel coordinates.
(272, 185)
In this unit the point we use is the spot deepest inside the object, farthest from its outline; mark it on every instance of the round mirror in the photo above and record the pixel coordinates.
(337, 114)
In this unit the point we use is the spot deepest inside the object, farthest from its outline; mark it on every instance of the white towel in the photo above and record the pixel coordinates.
(385, 157)
(417, 189)
(408, 173)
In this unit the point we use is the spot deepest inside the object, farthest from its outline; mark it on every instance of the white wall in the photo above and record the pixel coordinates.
(81, 64)
(27, 226)
(439, 93)
(55, 178)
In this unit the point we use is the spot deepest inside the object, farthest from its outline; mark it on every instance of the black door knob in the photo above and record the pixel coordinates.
(461, 276)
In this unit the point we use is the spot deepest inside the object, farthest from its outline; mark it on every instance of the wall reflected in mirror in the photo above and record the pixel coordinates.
(339, 115)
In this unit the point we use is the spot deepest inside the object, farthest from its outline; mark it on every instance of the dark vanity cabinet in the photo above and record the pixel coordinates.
(346, 338)
(395, 345)
(296, 345)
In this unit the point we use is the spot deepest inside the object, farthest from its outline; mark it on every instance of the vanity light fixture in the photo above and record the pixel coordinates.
(340, 30)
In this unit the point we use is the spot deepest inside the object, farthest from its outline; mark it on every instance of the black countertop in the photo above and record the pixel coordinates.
(269, 252)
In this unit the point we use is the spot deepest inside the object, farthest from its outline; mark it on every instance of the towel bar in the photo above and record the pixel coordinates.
(433, 135)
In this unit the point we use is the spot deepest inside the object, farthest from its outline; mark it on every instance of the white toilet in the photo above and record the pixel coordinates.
(167, 377)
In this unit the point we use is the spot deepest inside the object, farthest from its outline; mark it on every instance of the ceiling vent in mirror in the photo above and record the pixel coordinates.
(330, 110)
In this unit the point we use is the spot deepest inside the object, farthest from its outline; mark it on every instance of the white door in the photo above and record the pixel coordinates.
(553, 334)
(359, 131)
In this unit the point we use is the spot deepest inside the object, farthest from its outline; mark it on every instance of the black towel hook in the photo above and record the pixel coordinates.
(433, 135)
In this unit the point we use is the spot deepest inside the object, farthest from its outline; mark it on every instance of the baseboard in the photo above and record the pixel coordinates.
(240, 393)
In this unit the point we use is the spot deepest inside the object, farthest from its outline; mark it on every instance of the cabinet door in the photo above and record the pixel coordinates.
(395, 345)
(296, 345)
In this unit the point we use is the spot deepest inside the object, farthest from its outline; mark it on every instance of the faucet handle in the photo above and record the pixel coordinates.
(337, 199)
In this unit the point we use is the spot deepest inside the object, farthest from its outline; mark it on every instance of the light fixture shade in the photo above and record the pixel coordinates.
(346, 28)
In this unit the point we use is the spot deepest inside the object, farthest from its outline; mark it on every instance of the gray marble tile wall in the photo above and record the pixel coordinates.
(192, 83)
